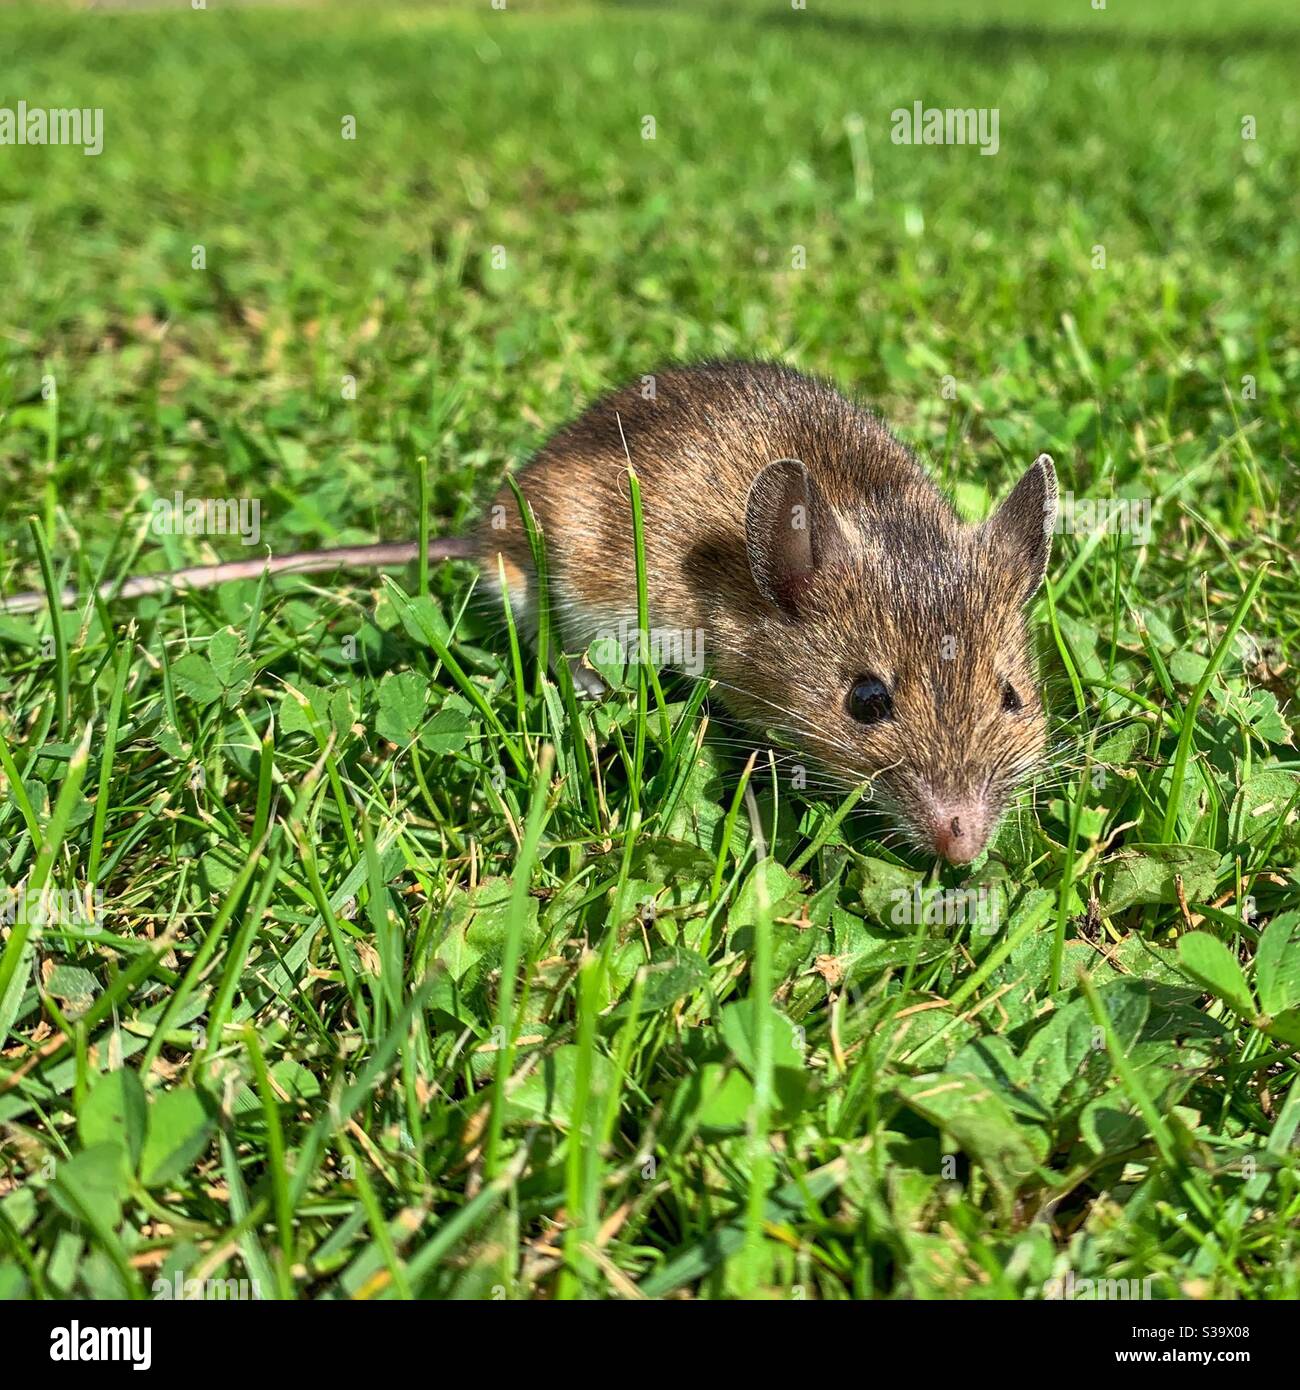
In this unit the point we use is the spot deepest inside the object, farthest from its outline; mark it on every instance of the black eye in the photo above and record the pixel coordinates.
(1011, 700)
(869, 700)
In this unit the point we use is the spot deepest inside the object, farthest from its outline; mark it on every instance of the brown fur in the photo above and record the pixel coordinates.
(900, 588)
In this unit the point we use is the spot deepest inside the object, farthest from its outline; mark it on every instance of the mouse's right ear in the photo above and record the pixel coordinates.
(1022, 526)
(788, 532)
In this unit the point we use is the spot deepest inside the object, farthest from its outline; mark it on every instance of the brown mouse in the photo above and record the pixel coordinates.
(835, 596)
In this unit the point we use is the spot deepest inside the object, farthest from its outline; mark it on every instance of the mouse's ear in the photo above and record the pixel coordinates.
(788, 532)
(1022, 526)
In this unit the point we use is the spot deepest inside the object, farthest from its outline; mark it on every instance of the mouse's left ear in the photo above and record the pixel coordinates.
(1021, 528)
(790, 533)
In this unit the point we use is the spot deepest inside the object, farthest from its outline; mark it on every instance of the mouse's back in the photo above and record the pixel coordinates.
(697, 438)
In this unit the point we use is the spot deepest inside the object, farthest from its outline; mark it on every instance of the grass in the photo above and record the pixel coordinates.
(379, 965)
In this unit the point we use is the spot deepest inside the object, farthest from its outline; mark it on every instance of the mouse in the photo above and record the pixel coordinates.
(831, 592)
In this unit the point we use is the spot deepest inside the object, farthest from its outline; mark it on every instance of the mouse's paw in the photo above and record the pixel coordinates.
(586, 682)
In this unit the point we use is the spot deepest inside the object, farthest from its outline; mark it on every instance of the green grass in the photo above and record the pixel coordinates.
(408, 974)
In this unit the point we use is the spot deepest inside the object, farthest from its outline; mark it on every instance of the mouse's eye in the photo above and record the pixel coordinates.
(1011, 700)
(869, 700)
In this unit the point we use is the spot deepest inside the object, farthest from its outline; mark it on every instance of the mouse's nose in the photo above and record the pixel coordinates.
(958, 828)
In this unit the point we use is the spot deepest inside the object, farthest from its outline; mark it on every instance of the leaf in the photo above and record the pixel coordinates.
(295, 1080)
(1265, 717)
(738, 1024)
(180, 1126)
(1277, 964)
(607, 658)
(789, 1065)
(1286, 1027)
(1067, 1061)
(474, 939)
(980, 1120)
(1260, 801)
(339, 710)
(1107, 1129)
(1147, 874)
(659, 859)
(723, 1098)
(289, 1076)
(224, 673)
(1209, 962)
(421, 617)
(90, 1185)
(783, 893)
(401, 706)
(448, 731)
(699, 814)
(332, 709)
(548, 1092)
(226, 655)
(1187, 667)
(861, 951)
(1118, 749)
(116, 1112)
(74, 985)
(673, 973)
(883, 887)
(1082, 637)
(1160, 631)
(194, 675)
(992, 1058)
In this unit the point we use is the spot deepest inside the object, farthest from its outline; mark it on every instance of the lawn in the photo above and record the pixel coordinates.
(345, 952)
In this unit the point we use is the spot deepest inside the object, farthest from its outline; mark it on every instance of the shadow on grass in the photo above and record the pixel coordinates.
(979, 37)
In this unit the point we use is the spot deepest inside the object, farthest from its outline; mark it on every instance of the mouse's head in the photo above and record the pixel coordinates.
(903, 654)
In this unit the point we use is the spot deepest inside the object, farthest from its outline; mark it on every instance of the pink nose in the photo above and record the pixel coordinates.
(958, 828)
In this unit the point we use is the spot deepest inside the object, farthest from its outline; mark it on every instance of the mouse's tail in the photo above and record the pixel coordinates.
(385, 555)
